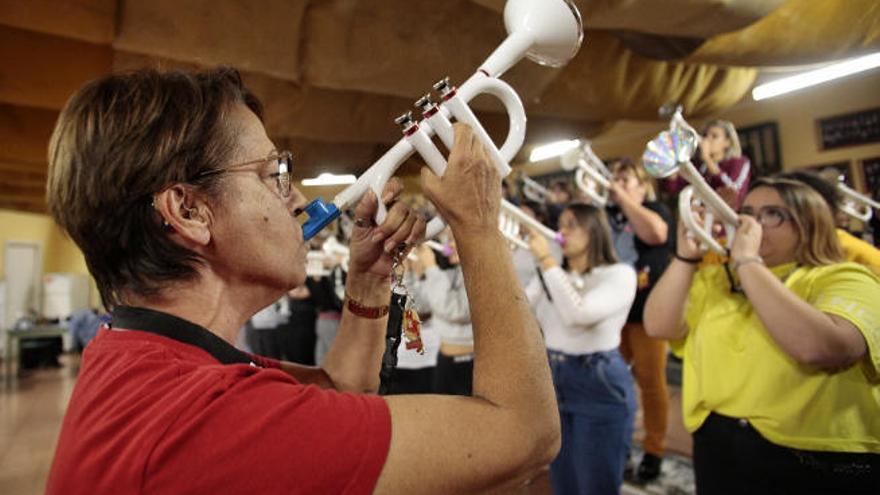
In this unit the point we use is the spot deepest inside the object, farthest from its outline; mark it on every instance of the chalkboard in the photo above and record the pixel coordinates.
(760, 143)
(871, 171)
(850, 129)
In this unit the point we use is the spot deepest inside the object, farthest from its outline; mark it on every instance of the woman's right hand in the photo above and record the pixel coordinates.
(538, 245)
(468, 195)
(687, 245)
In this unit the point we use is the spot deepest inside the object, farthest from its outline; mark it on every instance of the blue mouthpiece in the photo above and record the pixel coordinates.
(320, 215)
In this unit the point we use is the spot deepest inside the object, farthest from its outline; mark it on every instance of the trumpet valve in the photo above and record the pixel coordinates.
(407, 123)
(426, 105)
(445, 89)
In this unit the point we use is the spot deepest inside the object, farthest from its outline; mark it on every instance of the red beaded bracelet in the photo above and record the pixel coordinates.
(371, 312)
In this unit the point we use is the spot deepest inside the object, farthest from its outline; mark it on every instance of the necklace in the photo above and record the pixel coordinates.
(736, 288)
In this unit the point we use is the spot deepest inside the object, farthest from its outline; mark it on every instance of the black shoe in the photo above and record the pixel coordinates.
(649, 468)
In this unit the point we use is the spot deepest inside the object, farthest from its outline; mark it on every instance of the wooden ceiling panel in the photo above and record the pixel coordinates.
(40, 70)
(692, 18)
(260, 36)
(25, 133)
(87, 20)
(30, 206)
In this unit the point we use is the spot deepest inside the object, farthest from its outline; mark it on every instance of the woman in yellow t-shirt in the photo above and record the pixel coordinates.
(781, 348)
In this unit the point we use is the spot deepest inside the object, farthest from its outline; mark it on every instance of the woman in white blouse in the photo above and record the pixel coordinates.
(582, 307)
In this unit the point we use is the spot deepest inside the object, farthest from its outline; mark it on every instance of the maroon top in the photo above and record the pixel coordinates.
(735, 173)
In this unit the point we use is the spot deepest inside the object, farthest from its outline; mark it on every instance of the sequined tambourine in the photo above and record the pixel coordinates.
(666, 152)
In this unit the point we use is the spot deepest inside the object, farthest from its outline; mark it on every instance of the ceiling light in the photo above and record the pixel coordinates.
(814, 77)
(552, 149)
(327, 179)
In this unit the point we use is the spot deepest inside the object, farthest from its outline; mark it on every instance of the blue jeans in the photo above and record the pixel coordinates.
(597, 409)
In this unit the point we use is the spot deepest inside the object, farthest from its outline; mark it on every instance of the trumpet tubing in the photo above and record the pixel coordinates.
(591, 176)
(534, 190)
(856, 204)
(512, 220)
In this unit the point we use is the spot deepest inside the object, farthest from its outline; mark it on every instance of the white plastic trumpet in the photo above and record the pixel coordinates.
(511, 221)
(532, 189)
(671, 152)
(548, 32)
(856, 204)
(591, 175)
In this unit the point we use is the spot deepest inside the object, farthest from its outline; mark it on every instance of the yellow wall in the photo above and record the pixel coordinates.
(59, 253)
(795, 114)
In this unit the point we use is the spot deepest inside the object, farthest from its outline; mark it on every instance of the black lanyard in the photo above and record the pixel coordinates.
(172, 327)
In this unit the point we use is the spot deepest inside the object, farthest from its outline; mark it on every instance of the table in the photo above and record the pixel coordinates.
(14, 338)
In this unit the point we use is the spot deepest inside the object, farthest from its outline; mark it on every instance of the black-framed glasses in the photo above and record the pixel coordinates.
(283, 162)
(768, 216)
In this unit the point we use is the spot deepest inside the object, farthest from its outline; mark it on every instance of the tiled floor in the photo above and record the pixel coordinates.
(32, 408)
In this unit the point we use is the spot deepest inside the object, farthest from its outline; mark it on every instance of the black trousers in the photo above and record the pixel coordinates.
(730, 456)
(298, 336)
(418, 381)
(454, 375)
(267, 342)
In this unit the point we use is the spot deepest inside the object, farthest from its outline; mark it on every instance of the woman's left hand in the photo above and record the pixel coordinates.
(747, 241)
(373, 247)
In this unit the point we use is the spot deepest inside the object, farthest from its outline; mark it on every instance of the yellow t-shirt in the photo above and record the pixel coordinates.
(732, 365)
(859, 251)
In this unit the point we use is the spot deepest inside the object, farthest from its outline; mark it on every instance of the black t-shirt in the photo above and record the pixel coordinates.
(651, 260)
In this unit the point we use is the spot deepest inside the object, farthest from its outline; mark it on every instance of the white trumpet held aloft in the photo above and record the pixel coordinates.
(532, 189)
(669, 153)
(512, 222)
(548, 32)
(592, 177)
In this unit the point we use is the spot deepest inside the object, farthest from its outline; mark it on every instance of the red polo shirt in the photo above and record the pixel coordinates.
(150, 414)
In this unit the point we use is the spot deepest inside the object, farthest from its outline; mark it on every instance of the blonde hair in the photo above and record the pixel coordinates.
(734, 150)
(812, 219)
(627, 165)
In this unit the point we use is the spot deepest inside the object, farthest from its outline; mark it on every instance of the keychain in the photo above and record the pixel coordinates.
(402, 319)
(412, 325)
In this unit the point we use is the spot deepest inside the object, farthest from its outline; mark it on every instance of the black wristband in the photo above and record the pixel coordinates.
(690, 261)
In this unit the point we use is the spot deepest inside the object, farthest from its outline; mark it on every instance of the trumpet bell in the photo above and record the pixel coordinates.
(665, 152)
(555, 27)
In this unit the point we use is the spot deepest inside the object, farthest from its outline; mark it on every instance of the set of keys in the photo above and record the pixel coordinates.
(403, 323)
(411, 325)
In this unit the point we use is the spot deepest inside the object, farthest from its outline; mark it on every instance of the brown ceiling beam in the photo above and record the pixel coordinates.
(25, 133)
(24, 189)
(261, 37)
(41, 70)
(24, 180)
(24, 169)
(27, 206)
(86, 20)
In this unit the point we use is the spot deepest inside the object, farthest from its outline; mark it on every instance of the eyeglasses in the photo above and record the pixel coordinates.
(283, 161)
(768, 216)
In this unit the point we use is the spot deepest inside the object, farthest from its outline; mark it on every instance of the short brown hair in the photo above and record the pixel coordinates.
(119, 140)
(627, 165)
(812, 219)
(600, 249)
